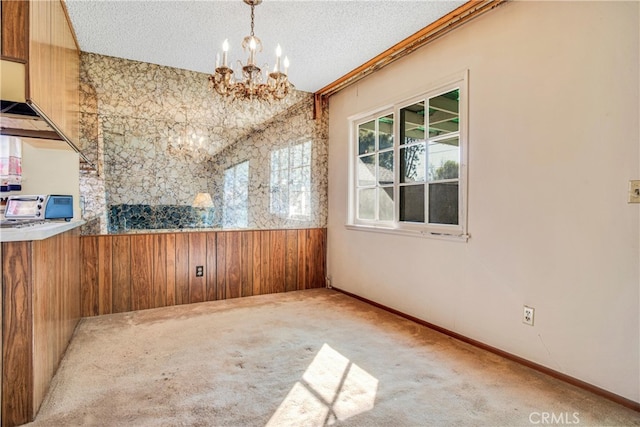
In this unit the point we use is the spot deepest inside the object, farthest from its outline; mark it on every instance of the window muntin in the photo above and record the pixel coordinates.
(409, 175)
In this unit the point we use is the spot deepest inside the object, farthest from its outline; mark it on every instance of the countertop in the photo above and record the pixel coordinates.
(37, 232)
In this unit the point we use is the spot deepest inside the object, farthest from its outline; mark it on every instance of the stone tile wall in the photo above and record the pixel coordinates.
(159, 136)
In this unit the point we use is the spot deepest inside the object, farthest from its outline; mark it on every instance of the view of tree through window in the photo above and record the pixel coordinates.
(375, 169)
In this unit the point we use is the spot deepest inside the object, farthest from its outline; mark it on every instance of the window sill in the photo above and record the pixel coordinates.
(411, 233)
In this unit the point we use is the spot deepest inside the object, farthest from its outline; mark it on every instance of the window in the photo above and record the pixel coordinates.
(291, 181)
(409, 169)
(236, 196)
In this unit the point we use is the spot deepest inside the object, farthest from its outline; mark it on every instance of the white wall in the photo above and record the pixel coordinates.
(51, 170)
(553, 141)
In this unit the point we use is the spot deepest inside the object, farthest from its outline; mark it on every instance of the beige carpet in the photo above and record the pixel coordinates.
(303, 358)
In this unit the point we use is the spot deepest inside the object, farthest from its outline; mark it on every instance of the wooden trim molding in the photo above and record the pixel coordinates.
(452, 20)
(529, 364)
(73, 31)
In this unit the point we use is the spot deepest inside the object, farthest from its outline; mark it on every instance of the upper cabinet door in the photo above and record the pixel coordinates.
(54, 64)
(15, 30)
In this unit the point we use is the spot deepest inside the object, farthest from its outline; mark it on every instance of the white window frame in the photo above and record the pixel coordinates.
(438, 231)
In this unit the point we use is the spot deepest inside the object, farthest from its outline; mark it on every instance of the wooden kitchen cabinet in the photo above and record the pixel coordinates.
(54, 64)
(41, 308)
(15, 30)
(51, 56)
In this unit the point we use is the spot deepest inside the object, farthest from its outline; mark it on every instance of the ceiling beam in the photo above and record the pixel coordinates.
(452, 20)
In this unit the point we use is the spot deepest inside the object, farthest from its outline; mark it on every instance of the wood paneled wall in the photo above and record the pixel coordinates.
(134, 272)
(41, 308)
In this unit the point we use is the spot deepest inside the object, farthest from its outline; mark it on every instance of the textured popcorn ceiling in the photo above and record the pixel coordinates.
(323, 39)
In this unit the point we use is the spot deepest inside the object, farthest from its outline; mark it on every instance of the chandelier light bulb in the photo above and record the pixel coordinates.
(252, 51)
(225, 49)
(286, 64)
(276, 68)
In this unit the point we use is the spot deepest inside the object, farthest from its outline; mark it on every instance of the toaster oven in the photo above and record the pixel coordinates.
(52, 206)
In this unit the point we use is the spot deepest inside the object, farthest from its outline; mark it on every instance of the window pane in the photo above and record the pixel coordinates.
(385, 167)
(412, 161)
(385, 132)
(412, 123)
(366, 170)
(236, 195)
(296, 155)
(443, 203)
(299, 203)
(443, 113)
(412, 203)
(385, 201)
(367, 203)
(306, 153)
(367, 137)
(443, 159)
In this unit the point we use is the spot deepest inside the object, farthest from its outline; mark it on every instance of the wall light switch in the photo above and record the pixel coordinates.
(634, 191)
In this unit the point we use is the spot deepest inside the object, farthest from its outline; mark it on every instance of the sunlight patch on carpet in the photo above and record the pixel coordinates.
(332, 389)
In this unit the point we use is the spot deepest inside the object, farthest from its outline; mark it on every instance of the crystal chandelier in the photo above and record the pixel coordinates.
(255, 84)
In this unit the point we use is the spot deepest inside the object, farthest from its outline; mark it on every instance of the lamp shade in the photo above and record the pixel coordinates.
(202, 200)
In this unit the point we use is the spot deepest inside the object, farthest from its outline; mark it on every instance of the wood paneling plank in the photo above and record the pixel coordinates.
(265, 254)
(141, 271)
(221, 270)
(247, 263)
(277, 260)
(105, 268)
(171, 269)
(89, 276)
(182, 268)
(233, 273)
(291, 261)
(303, 273)
(256, 260)
(121, 274)
(197, 258)
(211, 269)
(316, 252)
(17, 334)
(159, 283)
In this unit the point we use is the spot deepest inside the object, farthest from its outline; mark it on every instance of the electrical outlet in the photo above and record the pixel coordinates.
(527, 315)
(199, 270)
(634, 191)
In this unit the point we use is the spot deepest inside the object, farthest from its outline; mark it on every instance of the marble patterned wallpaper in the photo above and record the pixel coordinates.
(159, 136)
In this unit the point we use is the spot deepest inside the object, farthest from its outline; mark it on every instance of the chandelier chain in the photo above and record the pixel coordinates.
(252, 17)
